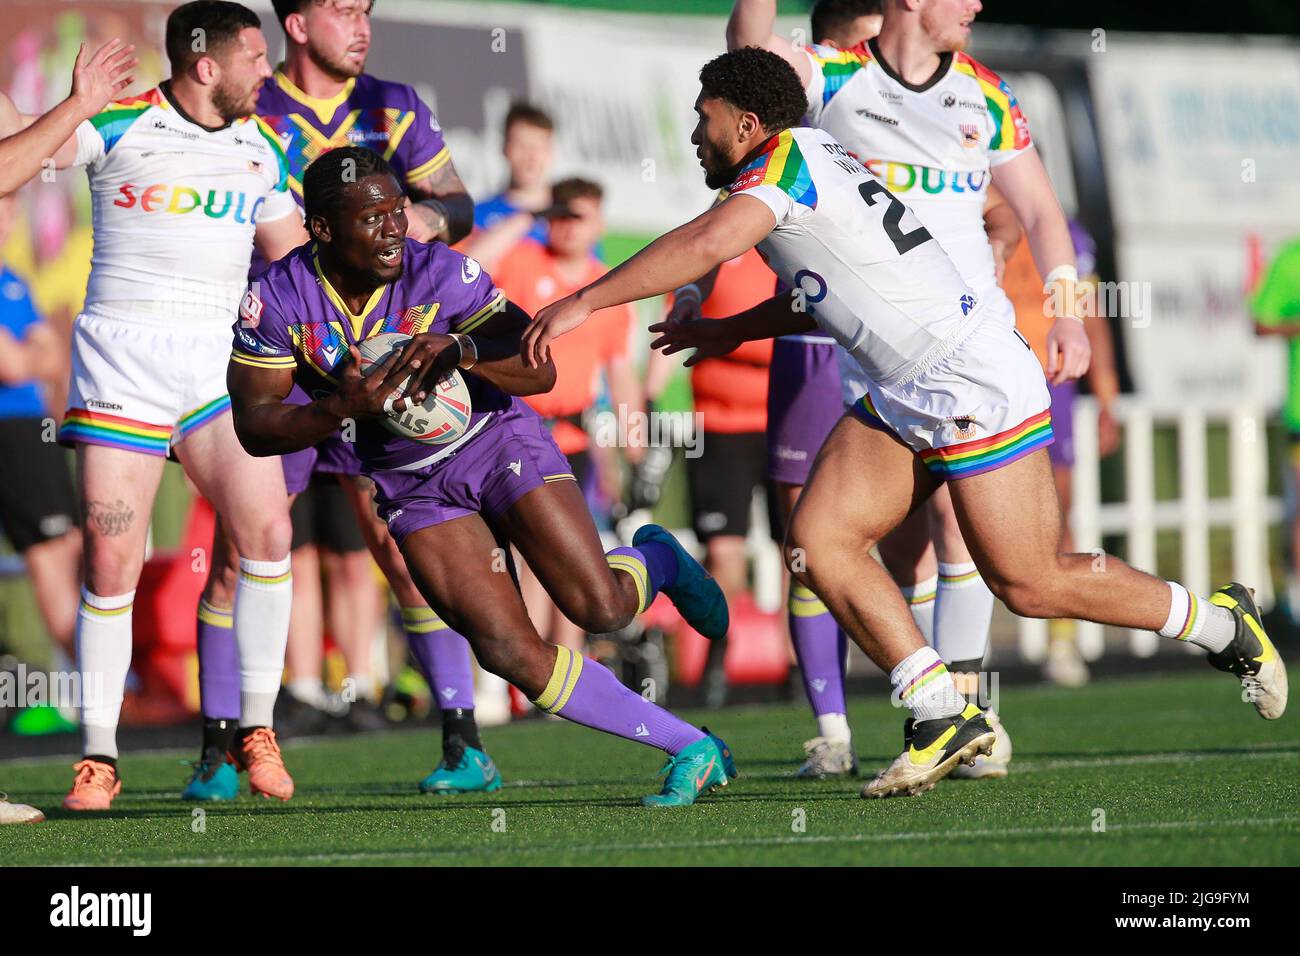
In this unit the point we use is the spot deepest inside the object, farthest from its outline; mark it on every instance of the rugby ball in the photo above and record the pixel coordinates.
(444, 415)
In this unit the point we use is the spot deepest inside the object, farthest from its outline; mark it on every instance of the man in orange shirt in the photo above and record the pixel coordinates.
(533, 275)
(730, 394)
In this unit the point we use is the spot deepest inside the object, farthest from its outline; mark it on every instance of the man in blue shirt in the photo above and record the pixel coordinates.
(38, 512)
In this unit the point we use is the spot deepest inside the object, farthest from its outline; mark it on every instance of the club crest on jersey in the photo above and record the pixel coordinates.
(469, 270)
(963, 427)
(970, 135)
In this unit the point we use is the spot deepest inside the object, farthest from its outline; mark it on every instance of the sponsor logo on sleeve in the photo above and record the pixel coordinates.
(469, 270)
(250, 309)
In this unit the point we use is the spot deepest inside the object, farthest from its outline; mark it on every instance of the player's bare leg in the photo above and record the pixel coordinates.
(1012, 523)
(442, 654)
(1064, 666)
(457, 565)
(828, 548)
(116, 488)
(249, 494)
(821, 649)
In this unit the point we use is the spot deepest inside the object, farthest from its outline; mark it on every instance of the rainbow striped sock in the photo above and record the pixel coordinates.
(262, 600)
(1195, 619)
(963, 610)
(923, 685)
(920, 599)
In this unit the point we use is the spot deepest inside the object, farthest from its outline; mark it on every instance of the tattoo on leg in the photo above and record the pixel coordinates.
(110, 518)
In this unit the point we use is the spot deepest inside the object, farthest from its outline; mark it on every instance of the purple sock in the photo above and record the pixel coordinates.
(443, 656)
(218, 663)
(653, 566)
(819, 644)
(586, 692)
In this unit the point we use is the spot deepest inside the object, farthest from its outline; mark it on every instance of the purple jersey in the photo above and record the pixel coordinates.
(292, 319)
(389, 118)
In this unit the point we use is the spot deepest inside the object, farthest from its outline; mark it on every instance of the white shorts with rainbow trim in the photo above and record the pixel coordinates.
(983, 406)
(143, 385)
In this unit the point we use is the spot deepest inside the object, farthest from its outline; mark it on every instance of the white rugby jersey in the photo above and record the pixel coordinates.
(174, 207)
(932, 145)
(871, 274)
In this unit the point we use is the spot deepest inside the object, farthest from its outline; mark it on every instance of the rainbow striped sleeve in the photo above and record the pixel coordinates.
(112, 122)
(985, 454)
(781, 165)
(837, 67)
(1010, 129)
(277, 150)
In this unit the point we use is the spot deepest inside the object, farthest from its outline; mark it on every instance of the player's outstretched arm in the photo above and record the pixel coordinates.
(1024, 182)
(96, 79)
(753, 23)
(266, 426)
(491, 353)
(672, 260)
(780, 315)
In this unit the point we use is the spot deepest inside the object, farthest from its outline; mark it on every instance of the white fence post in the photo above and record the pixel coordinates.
(1246, 471)
(1085, 511)
(1139, 477)
(1194, 496)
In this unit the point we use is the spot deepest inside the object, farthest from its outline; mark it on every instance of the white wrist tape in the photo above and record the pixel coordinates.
(690, 289)
(1062, 272)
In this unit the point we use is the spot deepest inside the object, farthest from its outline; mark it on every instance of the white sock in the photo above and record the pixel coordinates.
(308, 690)
(834, 727)
(923, 685)
(104, 653)
(1195, 619)
(262, 600)
(920, 601)
(963, 609)
(363, 686)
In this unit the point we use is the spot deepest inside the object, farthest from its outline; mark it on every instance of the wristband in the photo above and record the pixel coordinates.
(460, 345)
(1062, 272)
(690, 288)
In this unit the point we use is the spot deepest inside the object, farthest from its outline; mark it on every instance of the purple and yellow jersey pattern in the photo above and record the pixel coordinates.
(780, 164)
(292, 319)
(389, 118)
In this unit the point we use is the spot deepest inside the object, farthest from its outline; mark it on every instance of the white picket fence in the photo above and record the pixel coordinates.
(1247, 510)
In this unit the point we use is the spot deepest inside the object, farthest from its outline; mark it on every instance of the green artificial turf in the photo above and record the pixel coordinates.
(1184, 772)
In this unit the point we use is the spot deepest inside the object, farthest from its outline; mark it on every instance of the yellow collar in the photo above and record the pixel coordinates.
(357, 321)
(324, 109)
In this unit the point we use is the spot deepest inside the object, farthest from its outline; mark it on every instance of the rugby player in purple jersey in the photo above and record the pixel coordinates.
(451, 508)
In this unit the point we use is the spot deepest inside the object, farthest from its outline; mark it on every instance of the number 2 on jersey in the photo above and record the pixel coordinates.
(903, 241)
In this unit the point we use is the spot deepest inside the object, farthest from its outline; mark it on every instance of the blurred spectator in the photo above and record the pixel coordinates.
(38, 510)
(533, 275)
(1065, 665)
(731, 396)
(503, 220)
(1276, 308)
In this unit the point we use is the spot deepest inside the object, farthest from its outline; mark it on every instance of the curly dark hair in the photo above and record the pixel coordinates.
(326, 179)
(756, 81)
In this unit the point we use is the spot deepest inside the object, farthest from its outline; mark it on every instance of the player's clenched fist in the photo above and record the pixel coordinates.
(550, 323)
(1068, 351)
